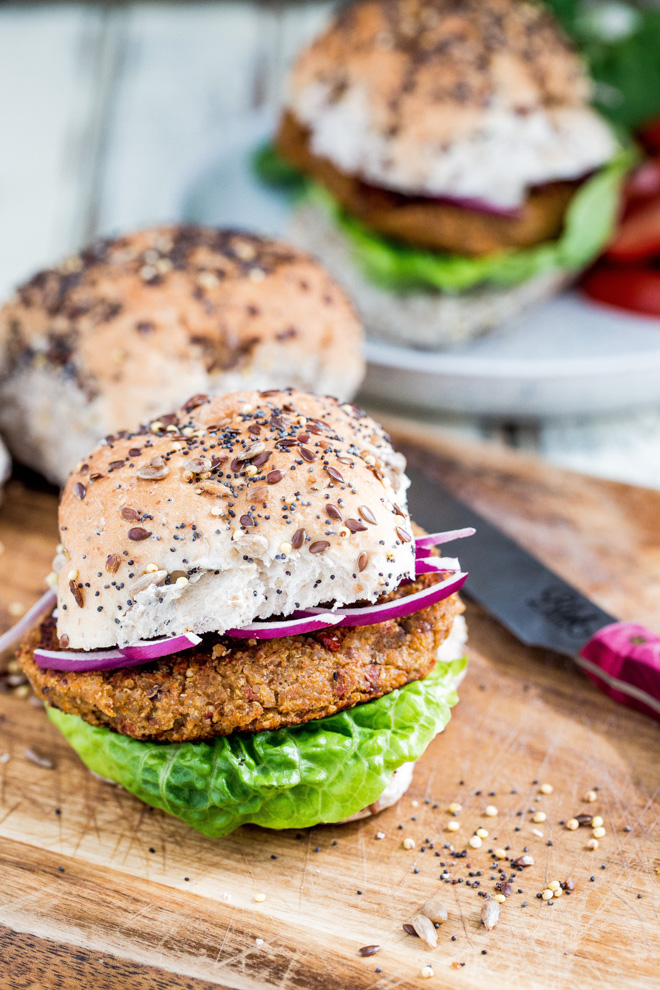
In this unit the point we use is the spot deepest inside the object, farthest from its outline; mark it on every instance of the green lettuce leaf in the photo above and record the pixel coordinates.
(590, 220)
(323, 771)
(273, 170)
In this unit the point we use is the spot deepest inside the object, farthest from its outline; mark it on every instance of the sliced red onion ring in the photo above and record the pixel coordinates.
(373, 614)
(83, 660)
(287, 627)
(434, 565)
(435, 539)
(154, 649)
(477, 205)
(26, 622)
(127, 656)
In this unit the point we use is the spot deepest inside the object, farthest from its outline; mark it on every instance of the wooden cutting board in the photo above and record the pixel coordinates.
(99, 890)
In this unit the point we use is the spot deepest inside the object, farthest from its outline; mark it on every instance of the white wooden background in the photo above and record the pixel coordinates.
(104, 111)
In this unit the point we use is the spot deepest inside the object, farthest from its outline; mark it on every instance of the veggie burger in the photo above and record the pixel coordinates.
(245, 627)
(456, 171)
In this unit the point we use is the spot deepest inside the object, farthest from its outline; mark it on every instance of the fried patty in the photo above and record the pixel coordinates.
(425, 222)
(226, 685)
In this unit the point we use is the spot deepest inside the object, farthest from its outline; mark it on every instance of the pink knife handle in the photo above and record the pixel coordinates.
(623, 660)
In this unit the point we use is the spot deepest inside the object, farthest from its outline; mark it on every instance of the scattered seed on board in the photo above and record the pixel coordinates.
(572, 824)
(547, 894)
(490, 913)
(426, 972)
(597, 821)
(475, 842)
(369, 950)
(592, 844)
(260, 898)
(425, 928)
(408, 843)
(491, 811)
(546, 788)
(453, 826)
(34, 756)
(590, 797)
(435, 911)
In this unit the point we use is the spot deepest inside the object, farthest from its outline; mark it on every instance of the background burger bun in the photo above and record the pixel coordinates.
(136, 324)
(418, 318)
(232, 509)
(484, 98)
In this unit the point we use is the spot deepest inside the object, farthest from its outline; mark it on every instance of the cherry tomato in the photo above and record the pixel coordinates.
(633, 288)
(638, 237)
(649, 135)
(643, 184)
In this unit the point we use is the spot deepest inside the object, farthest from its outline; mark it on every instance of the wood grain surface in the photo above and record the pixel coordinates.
(99, 890)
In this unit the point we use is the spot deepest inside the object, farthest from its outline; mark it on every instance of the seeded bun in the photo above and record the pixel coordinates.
(232, 509)
(482, 98)
(133, 326)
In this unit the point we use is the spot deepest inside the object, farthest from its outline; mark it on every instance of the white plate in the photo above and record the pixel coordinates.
(567, 357)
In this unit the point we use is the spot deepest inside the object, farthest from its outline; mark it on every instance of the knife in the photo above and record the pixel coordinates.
(538, 606)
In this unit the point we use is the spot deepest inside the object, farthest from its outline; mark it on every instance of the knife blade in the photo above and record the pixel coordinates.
(538, 606)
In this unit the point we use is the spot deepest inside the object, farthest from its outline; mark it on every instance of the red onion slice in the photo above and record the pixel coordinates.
(127, 656)
(154, 649)
(435, 565)
(26, 622)
(81, 660)
(371, 615)
(287, 627)
(435, 539)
